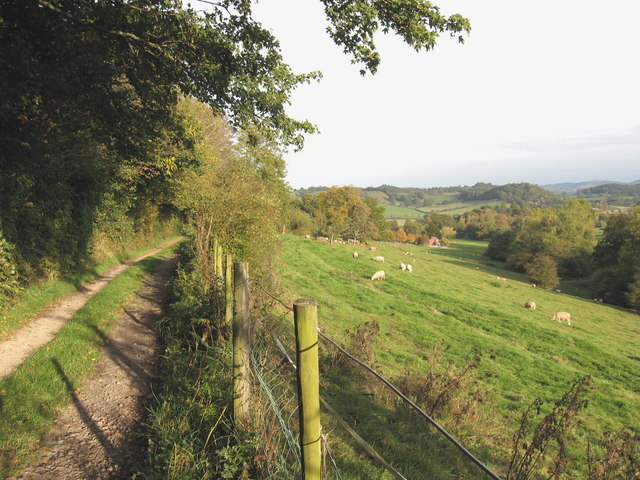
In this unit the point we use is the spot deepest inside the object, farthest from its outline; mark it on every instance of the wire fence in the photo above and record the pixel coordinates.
(276, 410)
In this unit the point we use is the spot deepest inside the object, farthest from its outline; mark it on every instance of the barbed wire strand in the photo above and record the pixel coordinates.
(363, 443)
(449, 437)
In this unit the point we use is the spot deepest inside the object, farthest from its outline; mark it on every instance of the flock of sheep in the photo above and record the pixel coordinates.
(380, 275)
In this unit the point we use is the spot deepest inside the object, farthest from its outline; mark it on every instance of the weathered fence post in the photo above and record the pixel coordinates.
(305, 311)
(228, 290)
(241, 344)
(218, 260)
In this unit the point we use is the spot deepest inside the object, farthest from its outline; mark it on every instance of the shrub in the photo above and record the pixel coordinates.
(542, 270)
(10, 284)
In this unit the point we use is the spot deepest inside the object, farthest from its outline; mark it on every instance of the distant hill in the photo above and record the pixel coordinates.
(410, 202)
(574, 187)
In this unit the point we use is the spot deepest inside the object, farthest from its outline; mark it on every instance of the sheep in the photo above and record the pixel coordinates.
(531, 305)
(562, 317)
(373, 249)
(403, 267)
(355, 255)
(379, 275)
(409, 268)
(379, 258)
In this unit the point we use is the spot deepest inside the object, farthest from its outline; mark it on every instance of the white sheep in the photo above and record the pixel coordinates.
(379, 275)
(409, 268)
(403, 267)
(355, 255)
(562, 317)
(530, 304)
(379, 258)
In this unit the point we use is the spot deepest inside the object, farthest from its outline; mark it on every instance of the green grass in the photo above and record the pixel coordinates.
(393, 212)
(458, 208)
(39, 296)
(31, 396)
(454, 294)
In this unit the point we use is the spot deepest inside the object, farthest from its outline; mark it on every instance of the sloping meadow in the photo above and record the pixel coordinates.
(462, 315)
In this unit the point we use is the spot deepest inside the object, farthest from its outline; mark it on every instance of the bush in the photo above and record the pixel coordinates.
(542, 270)
(10, 284)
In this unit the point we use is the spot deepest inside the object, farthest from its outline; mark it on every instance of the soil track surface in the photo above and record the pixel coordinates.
(42, 329)
(96, 436)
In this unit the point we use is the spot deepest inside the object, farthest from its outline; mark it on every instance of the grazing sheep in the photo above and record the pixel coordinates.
(530, 305)
(403, 267)
(558, 291)
(409, 268)
(562, 317)
(355, 255)
(533, 285)
(307, 236)
(373, 249)
(379, 275)
(379, 258)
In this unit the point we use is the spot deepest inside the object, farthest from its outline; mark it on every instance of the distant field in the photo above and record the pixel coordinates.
(458, 208)
(391, 211)
(454, 294)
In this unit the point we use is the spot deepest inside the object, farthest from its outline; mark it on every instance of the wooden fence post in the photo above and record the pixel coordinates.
(241, 344)
(305, 311)
(218, 260)
(228, 290)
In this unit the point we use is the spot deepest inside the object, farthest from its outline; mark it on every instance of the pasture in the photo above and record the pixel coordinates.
(471, 302)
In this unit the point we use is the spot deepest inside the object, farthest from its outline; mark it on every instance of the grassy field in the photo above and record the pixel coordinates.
(394, 212)
(455, 294)
(458, 208)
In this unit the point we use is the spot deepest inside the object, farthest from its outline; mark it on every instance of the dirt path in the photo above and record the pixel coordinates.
(41, 330)
(96, 436)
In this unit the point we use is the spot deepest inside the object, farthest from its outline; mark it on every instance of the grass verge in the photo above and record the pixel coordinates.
(31, 396)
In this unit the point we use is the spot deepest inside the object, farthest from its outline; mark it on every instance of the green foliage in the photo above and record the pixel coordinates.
(354, 25)
(542, 270)
(565, 233)
(189, 426)
(342, 211)
(618, 256)
(10, 284)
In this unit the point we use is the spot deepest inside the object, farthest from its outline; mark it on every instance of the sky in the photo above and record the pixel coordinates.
(541, 92)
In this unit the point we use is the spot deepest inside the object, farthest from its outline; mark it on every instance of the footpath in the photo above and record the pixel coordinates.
(42, 329)
(97, 435)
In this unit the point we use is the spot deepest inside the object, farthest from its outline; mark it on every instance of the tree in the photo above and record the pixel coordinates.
(618, 257)
(90, 90)
(542, 270)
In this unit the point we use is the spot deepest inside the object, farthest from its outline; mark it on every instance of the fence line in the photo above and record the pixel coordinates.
(421, 412)
(363, 443)
(408, 401)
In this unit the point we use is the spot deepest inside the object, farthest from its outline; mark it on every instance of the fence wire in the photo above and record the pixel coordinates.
(275, 414)
(292, 433)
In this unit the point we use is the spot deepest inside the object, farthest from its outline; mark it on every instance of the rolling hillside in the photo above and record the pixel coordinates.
(459, 296)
